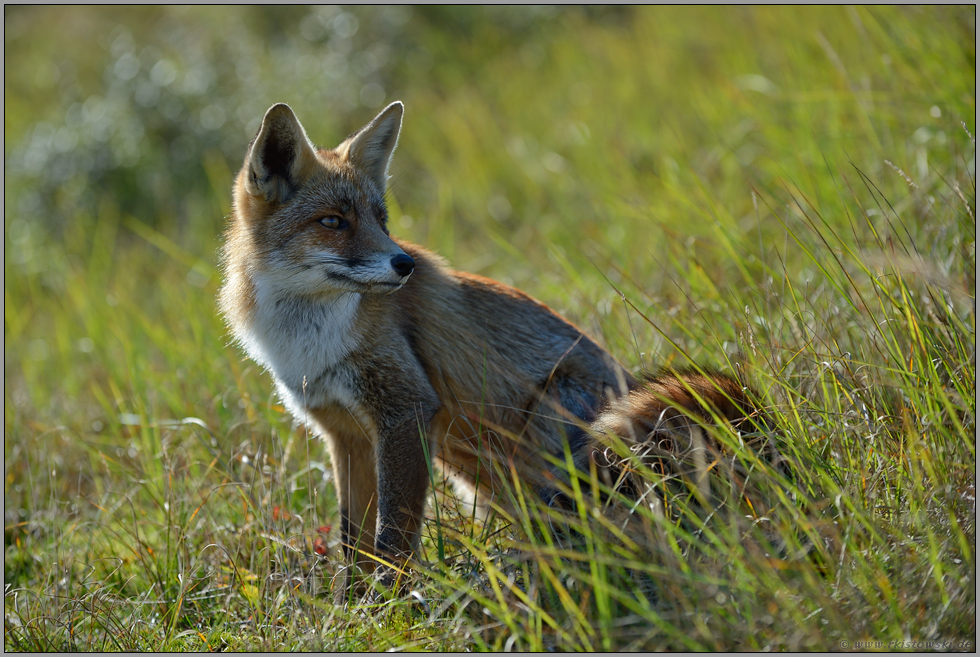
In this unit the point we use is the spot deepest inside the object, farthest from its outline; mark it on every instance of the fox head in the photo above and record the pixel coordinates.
(313, 221)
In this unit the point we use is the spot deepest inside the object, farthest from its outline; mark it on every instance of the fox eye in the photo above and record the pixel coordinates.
(334, 222)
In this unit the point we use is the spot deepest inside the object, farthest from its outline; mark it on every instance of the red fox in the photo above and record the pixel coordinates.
(400, 363)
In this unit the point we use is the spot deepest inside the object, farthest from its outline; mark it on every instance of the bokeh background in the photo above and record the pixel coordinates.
(784, 191)
(145, 109)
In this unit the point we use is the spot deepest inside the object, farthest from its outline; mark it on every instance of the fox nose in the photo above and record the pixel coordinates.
(403, 264)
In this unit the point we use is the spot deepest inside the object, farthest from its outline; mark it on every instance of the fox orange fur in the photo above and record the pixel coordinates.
(399, 362)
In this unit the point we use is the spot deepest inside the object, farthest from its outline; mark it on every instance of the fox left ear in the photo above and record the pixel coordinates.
(371, 147)
(278, 155)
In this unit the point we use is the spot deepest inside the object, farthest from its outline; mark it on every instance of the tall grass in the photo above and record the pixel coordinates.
(797, 206)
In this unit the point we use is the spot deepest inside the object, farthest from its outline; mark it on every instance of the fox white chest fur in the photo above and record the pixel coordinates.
(304, 344)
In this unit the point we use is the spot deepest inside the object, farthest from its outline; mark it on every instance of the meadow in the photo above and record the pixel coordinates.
(785, 193)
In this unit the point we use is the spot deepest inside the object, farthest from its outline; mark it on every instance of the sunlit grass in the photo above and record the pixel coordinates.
(798, 205)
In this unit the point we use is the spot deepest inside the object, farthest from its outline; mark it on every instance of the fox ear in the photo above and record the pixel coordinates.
(278, 155)
(370, 148)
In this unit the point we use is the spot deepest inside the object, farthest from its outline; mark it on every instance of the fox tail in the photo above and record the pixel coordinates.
(662, 423)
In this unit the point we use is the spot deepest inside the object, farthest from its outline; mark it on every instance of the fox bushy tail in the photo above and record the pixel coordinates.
(658, 436)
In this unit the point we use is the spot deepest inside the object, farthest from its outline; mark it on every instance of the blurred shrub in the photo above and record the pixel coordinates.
(131, 104)
(148, 109)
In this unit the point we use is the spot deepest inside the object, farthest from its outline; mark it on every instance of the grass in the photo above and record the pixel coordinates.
(797, 205)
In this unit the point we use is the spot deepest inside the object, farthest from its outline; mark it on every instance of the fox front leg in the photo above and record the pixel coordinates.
(403, 481)
(354, 471)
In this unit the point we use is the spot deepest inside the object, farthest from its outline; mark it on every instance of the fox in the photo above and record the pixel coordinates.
(403, 365)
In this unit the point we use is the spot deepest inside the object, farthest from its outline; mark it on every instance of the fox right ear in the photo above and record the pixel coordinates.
(278, 156)
(370, 148)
